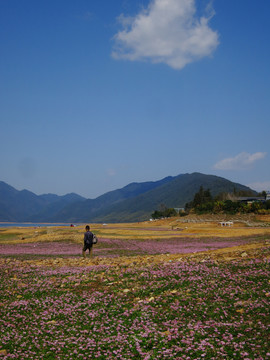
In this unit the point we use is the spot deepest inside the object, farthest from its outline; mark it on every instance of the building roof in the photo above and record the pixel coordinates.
(251, 198)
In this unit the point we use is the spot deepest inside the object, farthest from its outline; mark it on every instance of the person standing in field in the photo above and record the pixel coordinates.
(88, 241)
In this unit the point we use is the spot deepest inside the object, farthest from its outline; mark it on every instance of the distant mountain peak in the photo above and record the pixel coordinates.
(134, 202)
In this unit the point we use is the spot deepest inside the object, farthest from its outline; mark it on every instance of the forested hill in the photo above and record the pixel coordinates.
(133, 202)
(176, 193)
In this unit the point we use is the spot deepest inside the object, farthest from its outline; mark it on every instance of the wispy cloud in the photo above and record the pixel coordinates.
(168, 31)
(111, 172)
(240, 161)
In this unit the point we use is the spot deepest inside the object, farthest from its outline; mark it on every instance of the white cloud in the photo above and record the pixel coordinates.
(260, 186)
(240, 161)
(169, 32)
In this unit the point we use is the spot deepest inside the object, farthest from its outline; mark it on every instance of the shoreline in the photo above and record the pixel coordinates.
(4, 224)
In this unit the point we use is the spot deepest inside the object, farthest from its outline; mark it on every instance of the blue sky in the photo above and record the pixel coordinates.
(97, 94)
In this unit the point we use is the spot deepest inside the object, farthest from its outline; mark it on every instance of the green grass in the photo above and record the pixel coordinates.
(6, 237)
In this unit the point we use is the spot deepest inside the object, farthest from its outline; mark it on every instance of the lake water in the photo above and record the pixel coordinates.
(8, 224)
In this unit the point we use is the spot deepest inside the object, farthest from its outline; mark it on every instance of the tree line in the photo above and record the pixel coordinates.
(228, 203)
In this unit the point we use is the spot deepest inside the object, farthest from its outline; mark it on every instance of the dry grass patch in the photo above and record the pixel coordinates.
(161, 229)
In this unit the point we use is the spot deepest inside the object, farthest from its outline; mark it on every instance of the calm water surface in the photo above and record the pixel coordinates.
(8, 224)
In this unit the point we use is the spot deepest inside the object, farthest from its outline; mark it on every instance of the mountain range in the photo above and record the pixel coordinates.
(134, 202)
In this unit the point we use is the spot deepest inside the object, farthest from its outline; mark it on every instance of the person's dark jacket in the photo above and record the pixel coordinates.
(88, 238)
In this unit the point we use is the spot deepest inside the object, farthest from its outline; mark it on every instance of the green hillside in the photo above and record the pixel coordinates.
(134, 202)
(82, 211)
(176, 193)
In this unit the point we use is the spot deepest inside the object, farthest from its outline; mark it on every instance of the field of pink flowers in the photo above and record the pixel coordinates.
(116, 247)
(178, 310)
